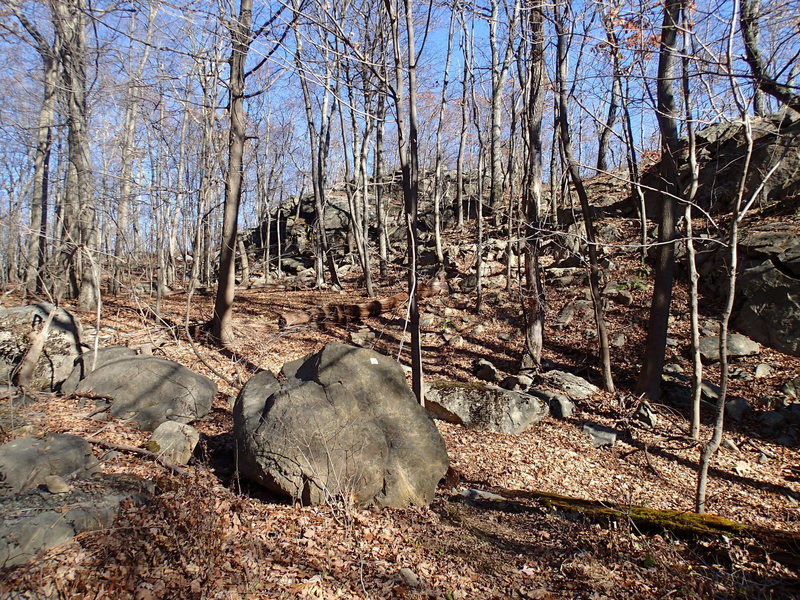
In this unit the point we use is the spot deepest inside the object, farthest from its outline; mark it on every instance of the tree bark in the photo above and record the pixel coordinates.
(649, 382)
(222, 319)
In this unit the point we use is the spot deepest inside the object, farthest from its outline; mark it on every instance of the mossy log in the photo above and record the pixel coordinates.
(644, 518)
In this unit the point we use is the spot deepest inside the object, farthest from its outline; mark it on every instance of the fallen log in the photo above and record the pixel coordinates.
(345, 312)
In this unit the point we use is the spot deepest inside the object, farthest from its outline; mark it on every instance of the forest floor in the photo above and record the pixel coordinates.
(208, 535)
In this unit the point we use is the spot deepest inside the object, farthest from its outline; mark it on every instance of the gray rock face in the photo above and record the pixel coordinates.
(345, 425)
(770, 296)
(174, 441)
(26, 462)
(573, 386)
(484, 407)
(738, 345)
(151, 390)
(62, 344)
(34, 521)
(83, 364)
(600, 435)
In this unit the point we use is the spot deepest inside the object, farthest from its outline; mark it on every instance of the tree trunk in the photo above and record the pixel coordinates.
(535, 94)
(222, 319)
(574, 171)
(649, 382)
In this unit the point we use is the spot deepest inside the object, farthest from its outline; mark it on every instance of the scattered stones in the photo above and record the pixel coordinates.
(485, 371)
(484, 407)
(738, 345)
(600, 435)
(346, 425)
(175, 442)
(150, 390)
(34, 521)
(62, 344)
(735, 408)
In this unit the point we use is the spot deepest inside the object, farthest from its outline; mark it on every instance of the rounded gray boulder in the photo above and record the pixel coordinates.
(344, 425)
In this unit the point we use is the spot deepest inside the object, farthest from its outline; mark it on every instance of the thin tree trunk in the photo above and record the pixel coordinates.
(222, 319)
(535, 94)
(591, 238)
(649, 382)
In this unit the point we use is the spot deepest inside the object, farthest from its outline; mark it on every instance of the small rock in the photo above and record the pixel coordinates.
(736, 407)
(427, 320)
(763, 459)
(506, 337)
(363, 339)
(409, 577)
(623, 297)
(485, 371)
(175, 441)
(762, 371)
(672, 342)
(741, 467)
(600, 435)
(673, 368)
(573, 386)
(56, 485)
(561, 407)
(473, 494)
(730, 445)
(619, 340)
(792, 388)
(646, 415)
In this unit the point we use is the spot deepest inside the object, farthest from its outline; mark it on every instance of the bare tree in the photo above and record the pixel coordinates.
(574, 172)
(649, 382)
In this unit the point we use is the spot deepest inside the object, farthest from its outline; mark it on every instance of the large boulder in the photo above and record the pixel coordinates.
(150, 390)
(89, 361)
(343, 425)
(61, 346)
(34, 521)
(27, 462)
(738, 345)
(482, 406)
